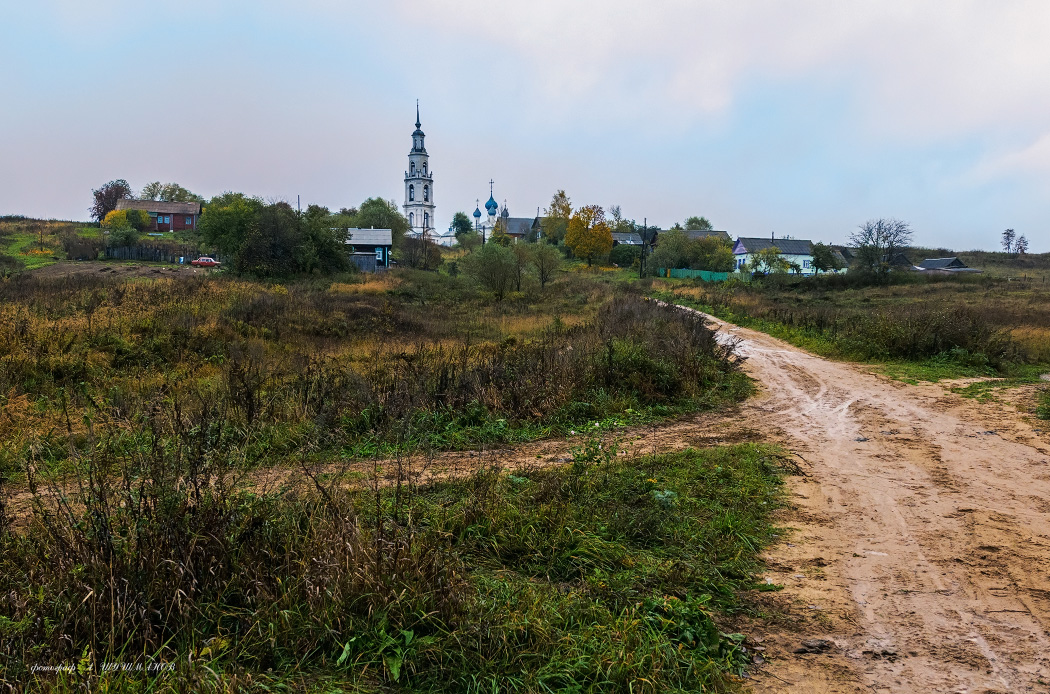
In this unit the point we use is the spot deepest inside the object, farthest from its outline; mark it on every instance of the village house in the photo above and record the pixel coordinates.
(370, 248)
(518, 228)
(166, 216)
(797, 252)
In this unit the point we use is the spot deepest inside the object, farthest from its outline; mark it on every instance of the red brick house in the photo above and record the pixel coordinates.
(167, 216)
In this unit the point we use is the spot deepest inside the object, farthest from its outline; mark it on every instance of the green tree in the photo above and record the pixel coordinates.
(168, 192)
(698, 224)
(377, 213)
(769, 260)
(269, 248)
(469, 242)
(120, 237)
(227, 220)
(713, 254)
(106, 197)
(674, 250)
(461, 224)
(321, 245)
(556, 218)
(139, 219)
(588, 235)
(825, 259)
(547, 261)
(522, 262)
(624, 254)
(494, 267)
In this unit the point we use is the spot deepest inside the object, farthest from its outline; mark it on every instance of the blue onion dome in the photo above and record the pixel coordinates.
(477, 213)
(492, 205)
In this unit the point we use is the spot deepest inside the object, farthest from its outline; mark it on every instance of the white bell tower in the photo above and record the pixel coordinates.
(419, 186)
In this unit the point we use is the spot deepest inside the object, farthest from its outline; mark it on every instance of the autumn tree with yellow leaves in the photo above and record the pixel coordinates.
(588, 235)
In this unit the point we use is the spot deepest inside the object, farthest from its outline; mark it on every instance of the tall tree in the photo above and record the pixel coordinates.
(168, 192)
(321, 245)
(673, 251)
(107, 196)
(461, 224)
(713, 254)
(1021, 245)
(377, 213)
(269, 249)
(588, 235)
(878, 240)
(494, 267)
(824, 258)
(1008, 240)
(698, 224)
(556, 218)
(547, 261)
(228, 220)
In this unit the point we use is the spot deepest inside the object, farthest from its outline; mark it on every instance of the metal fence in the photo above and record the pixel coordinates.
(155, 253)
(685, 273)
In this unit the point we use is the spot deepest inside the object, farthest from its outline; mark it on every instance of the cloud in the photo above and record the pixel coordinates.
(915, 70)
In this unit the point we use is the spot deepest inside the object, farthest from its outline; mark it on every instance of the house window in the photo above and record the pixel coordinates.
(426, 193)
(189, 221)
(411, 219)
(411, 193)
(426, 220)
(379, 255)
(805, 263)
(167, 219)
(424, 168)
(412, 168)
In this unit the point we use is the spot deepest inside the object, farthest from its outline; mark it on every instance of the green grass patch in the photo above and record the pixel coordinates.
(605, 575)
(1042, 408)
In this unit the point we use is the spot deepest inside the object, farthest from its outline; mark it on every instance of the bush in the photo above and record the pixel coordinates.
(119, 237)
(624, 255)
(81, 248)
(494, 267)
(1042, 409)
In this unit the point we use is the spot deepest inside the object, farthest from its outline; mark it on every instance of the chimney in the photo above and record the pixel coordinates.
(771, 237)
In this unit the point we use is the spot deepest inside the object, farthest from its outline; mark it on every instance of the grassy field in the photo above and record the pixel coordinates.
(607, 575)
(35, 243)
(918, 327)
(1031, 266)
(348, 367)
(134, 410)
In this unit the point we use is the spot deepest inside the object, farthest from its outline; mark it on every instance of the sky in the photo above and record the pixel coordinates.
(801, 118)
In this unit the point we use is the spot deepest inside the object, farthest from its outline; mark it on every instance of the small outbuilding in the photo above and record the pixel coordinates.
(370, 248)
(945, 265)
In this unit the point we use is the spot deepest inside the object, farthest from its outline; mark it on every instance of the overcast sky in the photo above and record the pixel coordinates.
(801, 118)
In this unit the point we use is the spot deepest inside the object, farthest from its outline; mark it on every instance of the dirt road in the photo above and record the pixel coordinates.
(922, 548)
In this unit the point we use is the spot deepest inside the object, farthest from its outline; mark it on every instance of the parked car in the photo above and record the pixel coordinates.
(205, 261)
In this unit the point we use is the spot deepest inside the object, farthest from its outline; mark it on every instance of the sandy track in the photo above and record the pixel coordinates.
(923, 541)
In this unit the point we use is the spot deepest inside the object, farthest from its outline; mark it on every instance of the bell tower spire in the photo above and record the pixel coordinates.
(419, 186)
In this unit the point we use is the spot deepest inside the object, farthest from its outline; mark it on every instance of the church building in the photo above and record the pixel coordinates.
(419, 187)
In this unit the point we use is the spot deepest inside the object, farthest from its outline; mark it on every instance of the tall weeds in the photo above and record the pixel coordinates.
(347, 368)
